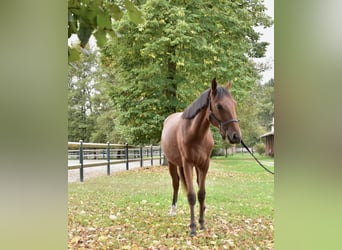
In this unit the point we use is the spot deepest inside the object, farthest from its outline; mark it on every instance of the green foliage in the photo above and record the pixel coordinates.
(90, 108)
(247, 111)
(87, 17)
(129, 210)
(265, 96)
(256, 112)
(220, 146)
(80, 108)
(260, 148)
(105, 125)
(163, 64)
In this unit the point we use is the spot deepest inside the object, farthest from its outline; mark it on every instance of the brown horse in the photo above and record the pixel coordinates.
(187, 142)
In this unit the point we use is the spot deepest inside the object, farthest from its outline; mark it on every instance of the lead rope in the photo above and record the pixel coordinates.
(243, 144)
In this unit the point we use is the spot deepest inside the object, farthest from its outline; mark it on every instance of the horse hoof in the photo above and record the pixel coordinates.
(192, 229)
(173, 210)
(202, 227)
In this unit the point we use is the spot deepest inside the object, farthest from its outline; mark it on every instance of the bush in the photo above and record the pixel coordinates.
(217, 151)
(260, 148)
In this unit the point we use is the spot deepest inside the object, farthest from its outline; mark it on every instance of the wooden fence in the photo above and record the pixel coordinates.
(108, 154)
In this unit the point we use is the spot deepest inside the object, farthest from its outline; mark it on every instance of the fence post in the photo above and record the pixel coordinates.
(108, 158)
(160, 153)
(81, 161)
(151, 155)
(141, 156)
(127, 156)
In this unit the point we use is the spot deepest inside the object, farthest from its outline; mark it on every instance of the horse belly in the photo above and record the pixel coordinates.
(169, 140)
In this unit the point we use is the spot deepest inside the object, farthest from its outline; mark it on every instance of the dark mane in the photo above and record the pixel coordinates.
(194, 108)
(202, 102)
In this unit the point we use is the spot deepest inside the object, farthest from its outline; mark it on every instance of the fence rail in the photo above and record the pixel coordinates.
(109, 154)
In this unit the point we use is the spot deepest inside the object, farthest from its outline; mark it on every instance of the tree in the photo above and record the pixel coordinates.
(81, 80)
(249, 122)
(162, 65)
(265, 96)
(91, 116)
(104, 129)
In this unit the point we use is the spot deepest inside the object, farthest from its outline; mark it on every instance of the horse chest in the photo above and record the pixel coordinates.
(198, 151)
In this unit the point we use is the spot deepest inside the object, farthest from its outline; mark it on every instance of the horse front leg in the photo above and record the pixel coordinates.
(188, 173)
(192, 202)
(201, 198)
(201, 176)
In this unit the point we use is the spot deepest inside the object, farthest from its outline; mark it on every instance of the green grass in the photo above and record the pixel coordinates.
(128, 210)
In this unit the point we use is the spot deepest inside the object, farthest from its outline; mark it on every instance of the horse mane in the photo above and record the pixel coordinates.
(194, 108)
(202, 102)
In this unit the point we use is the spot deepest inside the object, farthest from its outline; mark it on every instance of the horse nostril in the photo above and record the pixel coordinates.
(236, 137)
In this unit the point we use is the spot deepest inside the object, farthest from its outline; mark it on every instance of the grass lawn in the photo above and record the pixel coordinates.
(129, 210)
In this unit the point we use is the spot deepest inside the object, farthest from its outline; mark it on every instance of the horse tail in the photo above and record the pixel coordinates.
(182, 179)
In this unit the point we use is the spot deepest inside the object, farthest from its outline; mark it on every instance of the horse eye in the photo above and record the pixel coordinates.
(219, 107)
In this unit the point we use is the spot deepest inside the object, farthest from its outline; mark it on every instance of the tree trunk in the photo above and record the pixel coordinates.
(171, 90)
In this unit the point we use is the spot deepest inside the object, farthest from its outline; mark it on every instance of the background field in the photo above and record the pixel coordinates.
(129, 210)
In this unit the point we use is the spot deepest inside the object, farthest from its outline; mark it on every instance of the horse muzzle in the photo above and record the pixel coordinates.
(233, 137)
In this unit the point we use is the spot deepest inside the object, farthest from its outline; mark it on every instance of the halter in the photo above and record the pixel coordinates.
(220, 123)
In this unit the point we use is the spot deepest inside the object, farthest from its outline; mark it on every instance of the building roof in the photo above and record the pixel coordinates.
(267, 134)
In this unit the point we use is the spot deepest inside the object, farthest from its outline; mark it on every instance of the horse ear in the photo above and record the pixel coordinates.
(229, 84)
(213, 85)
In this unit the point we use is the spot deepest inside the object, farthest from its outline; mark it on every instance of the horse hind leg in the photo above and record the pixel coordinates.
(188, 174)
(175, 185)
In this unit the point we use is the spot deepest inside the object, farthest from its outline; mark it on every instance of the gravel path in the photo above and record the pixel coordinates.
(91, 172)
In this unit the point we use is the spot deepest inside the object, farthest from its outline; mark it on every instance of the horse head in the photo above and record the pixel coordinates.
(222, 112)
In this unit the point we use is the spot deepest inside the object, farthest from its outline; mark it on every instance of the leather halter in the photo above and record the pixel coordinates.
(220, 123)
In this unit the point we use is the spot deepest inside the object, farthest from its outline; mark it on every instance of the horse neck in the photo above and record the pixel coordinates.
(200, 124)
